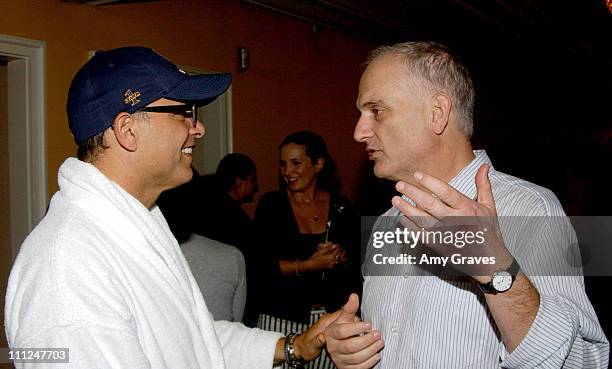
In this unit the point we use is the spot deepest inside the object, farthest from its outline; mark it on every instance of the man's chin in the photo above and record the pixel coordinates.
(186, 177)
(380, 171)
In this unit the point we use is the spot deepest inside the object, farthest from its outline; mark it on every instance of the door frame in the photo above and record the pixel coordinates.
(27, 134)
(217, 116)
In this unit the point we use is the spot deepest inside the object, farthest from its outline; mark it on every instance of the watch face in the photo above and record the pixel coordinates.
(502, 281)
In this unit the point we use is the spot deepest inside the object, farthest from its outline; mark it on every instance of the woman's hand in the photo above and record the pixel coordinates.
(308, 345)
(327, 256)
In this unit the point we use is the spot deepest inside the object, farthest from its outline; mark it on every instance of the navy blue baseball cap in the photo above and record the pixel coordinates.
(128, 79)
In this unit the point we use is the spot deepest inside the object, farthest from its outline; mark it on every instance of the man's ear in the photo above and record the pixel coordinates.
(440, 112)
(125, 130)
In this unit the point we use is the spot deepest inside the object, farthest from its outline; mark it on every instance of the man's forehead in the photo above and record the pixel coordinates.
(383, 78)
(384, 65)
(377, 91)
(368, 89)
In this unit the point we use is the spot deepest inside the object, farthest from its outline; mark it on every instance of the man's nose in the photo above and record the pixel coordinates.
(199, 130)
(362, 130)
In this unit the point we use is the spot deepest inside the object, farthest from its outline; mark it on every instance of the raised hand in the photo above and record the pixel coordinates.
(441, 207)
(351, 343)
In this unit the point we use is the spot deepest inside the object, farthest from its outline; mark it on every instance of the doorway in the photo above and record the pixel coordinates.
(23, 164)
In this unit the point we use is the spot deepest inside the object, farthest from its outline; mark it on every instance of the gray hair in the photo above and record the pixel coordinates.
(89, 150)
(434, 64)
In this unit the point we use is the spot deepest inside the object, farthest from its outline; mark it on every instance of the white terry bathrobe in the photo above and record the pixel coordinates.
(103, 276)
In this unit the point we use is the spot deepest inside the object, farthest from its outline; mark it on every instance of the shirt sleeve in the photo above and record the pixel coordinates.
(90, 346)
(563, 335)
(73, 301)
(246, 347)
(566, 332)
(240, 293)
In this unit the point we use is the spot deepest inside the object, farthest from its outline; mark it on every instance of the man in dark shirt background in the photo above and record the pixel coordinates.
(217, 212)
(222, 217)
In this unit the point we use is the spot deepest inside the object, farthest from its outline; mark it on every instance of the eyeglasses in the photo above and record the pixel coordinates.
(187, 111)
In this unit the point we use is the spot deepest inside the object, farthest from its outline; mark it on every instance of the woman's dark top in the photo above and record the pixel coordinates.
(279, 238)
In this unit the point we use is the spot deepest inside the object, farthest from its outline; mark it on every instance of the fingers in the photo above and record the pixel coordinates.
(438, 199)
(328, 248)
(326, 320)
(407, 208)
(423, 199)
(349, 310)
(340, 331)
(313, 339)
(337, 252)
(357, 351)
(435, 197)
(321, 339)
(366, 364)
(441, 189)
(344, 258)
(351, 343)
(483, 186)
(326, 258)
(417, 217)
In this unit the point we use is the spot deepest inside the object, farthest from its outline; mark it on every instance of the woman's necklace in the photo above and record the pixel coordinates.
(312, 209)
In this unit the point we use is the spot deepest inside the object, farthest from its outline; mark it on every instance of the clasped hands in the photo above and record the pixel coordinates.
(327, 256)
(351, 343)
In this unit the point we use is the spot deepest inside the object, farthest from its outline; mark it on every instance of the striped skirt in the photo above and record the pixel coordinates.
(272, 323)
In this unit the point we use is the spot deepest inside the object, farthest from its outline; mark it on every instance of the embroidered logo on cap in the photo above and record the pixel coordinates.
(131, 97)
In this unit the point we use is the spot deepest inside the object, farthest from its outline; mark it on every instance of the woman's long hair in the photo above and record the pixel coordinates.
(315, 148)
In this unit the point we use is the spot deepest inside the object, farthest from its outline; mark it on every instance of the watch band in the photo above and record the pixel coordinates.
(290, 358)
(513, 270)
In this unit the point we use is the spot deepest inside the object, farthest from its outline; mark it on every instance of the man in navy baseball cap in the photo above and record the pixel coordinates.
(128, 79)
(101, 279)
(123, 87)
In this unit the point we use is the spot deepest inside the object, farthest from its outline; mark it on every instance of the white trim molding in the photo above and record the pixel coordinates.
(27, 134)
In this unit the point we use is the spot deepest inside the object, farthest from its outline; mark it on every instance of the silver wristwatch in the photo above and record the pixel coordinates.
(501, 280)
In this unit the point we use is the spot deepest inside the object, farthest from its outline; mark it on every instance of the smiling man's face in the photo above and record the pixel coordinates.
(167, 140)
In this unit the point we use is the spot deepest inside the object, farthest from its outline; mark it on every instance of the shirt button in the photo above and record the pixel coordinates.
(406, 275)
(394, 329)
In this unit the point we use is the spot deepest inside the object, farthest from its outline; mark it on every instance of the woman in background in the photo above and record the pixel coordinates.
(308, 241)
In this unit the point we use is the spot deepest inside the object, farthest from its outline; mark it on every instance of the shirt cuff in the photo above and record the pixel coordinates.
(549, 339)
(266, 348)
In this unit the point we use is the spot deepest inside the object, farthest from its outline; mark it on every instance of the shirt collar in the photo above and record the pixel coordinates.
(465, 180)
